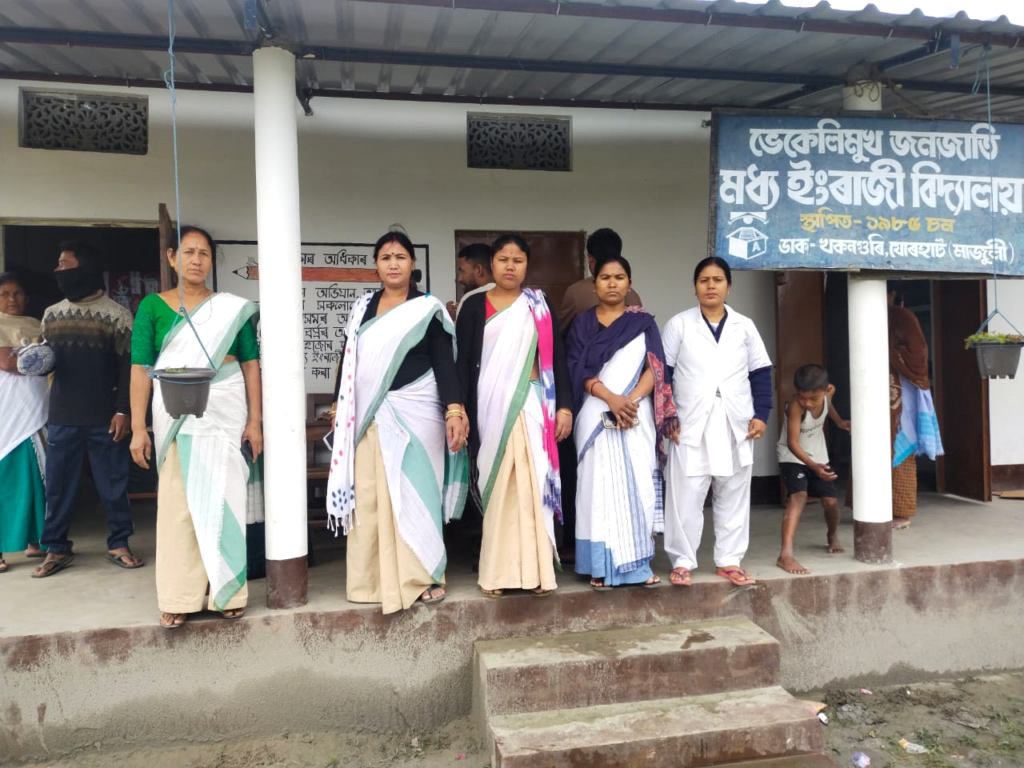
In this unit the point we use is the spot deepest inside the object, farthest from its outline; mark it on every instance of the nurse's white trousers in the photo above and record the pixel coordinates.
(684, 513)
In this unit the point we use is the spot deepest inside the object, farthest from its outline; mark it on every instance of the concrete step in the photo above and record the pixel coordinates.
(690, 732)
(531, 674)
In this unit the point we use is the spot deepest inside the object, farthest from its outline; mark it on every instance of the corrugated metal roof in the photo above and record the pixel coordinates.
(673, 54)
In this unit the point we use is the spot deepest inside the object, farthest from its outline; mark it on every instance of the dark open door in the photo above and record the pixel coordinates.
(961, 395)
(166, 233)
(556, 258)
(799, 328)
(799, 331)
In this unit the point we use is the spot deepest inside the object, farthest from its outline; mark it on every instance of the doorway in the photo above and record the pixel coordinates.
(556, 258)
(948, 311)
(130, 258)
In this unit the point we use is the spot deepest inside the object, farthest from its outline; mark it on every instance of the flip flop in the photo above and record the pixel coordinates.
(493, 594)
(55, 562)
(3, 566)
(679, 577)
(119, 562)
(174, 621)
(653, 584)
(539, 592)
(900, 523)
(233, 613)
(430, 596)
(737, 576)
(602, 587)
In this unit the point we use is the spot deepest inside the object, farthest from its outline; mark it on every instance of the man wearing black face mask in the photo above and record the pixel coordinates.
(89, 401)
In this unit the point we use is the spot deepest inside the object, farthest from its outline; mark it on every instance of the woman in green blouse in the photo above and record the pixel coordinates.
(202, 494)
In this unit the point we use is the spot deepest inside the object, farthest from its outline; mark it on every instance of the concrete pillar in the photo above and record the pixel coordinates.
(284, 391)
(864, 96)
(869, 414)
(869, 389)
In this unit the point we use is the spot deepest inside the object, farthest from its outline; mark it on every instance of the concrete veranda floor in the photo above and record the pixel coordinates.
(93, 594)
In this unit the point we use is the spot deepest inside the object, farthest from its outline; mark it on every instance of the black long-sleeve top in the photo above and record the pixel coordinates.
(469, 336)
(433, 351)
(92, 343)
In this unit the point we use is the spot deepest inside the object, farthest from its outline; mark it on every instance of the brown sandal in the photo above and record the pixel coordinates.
(172, 620)
(233, 613)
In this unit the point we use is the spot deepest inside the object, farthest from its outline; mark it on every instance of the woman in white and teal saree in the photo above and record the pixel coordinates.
(517, 388)
(203, 492)
(399, 466)
(22, 428)
(623, 409)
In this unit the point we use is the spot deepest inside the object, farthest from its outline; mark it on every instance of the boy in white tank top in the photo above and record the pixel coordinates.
(803, 459)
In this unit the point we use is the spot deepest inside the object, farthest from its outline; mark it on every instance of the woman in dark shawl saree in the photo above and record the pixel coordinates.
(623, 408)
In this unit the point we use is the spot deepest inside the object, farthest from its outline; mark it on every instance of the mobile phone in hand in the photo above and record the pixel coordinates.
(610, 422)
(247, 451)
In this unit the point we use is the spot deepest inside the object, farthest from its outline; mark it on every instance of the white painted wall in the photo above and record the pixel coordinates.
(1006, 395)
(365, 165)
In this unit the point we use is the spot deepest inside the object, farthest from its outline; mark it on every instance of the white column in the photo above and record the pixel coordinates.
(284, 392)
(869, 414)
(865, 96)
(871, 465)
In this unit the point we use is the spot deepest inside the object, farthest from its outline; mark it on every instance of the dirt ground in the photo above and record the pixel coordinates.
(967, 723)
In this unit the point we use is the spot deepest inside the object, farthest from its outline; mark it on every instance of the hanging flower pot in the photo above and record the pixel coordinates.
(998, 353)
(185, 390)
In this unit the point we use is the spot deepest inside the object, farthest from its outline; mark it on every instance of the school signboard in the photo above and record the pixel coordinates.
(800, 192)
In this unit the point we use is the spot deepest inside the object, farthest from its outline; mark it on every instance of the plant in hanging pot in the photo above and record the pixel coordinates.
(998, 353)
(185, 390)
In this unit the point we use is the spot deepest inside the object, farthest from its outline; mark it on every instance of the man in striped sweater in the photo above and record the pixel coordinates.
(91, 337)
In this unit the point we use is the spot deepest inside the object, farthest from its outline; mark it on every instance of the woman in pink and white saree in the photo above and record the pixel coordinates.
(516, 388)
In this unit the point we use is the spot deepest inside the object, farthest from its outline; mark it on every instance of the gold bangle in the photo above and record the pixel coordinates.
(564, 410)
(453, 414)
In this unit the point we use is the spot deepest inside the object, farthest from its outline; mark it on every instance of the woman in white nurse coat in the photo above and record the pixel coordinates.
(721, 382)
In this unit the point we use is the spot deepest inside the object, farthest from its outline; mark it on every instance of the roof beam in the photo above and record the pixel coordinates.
(918, 54)
(711, 19)
(427, 98)
(461, 61)
(364, 95)
(75, 38)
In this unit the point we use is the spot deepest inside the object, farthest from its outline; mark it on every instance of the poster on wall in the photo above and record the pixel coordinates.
(334, 276)
(129, 288)
(800, 192)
